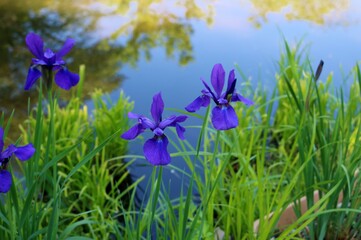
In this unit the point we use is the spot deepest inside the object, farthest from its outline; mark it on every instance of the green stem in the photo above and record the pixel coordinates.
(154, 194)
(48, 77)
(53, 223)
(211, 184)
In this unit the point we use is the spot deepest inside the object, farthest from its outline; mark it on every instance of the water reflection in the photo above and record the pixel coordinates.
(111, 34)
(309, 10)
(108, 35)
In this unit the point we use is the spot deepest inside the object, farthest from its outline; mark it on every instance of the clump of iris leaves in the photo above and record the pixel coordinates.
(287, 143)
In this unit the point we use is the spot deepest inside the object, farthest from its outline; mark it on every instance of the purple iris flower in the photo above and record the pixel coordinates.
(155, 148)
(49, 61)
(23, 153)
(223, 115)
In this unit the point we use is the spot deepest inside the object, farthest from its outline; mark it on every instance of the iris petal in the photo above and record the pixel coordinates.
(134, 115)
(155, 150)
(201, 101)
(158, 131)
(62, 79)
(231, 78)
(224, 117)
(172, 121)
(231, 84)
(167, 122)
(66, 79)
(8, 151)
(68, 45)
(180, 118)
(49, 57)
(36, 61)
(147, 123)
(133, 132)
(33, 75)
(239, 98)
(157, 108)
(217, 79)
(24, 152)
(210, 92)
(35, 45)
(5, 181)
(74, 78)
(180, 131)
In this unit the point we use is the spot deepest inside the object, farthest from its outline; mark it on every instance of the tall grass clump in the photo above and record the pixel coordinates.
(299, 142)
(247, 167)
(183, 218)
(325, 128)
(69, 187)
(245, 177)
(101, 174)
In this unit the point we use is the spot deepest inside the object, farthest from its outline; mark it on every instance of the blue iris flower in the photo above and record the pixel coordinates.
(155, 148)
(224, 116)
(23, 153)
(48, 61)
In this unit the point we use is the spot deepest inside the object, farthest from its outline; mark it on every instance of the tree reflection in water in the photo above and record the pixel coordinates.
(309, 10)
(137, 26)
(141, 25)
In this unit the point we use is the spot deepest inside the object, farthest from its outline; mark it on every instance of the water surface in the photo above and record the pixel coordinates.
(145, 47)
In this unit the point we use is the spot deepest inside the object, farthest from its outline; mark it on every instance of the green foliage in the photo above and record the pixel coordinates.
(301, 139)
(109, 120)
(103, 174)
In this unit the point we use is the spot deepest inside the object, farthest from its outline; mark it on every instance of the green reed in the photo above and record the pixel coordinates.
(299, 139)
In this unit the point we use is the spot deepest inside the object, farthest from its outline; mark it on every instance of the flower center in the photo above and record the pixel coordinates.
(49, 56)
(222, 101)
(158, 131)
(4, 163)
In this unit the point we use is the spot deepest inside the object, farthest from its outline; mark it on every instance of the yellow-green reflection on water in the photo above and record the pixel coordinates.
(108, 34)
(308, 10)
(141, 27)
(111, 34)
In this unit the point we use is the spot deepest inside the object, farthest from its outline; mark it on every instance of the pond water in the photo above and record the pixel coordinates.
(143, 47)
